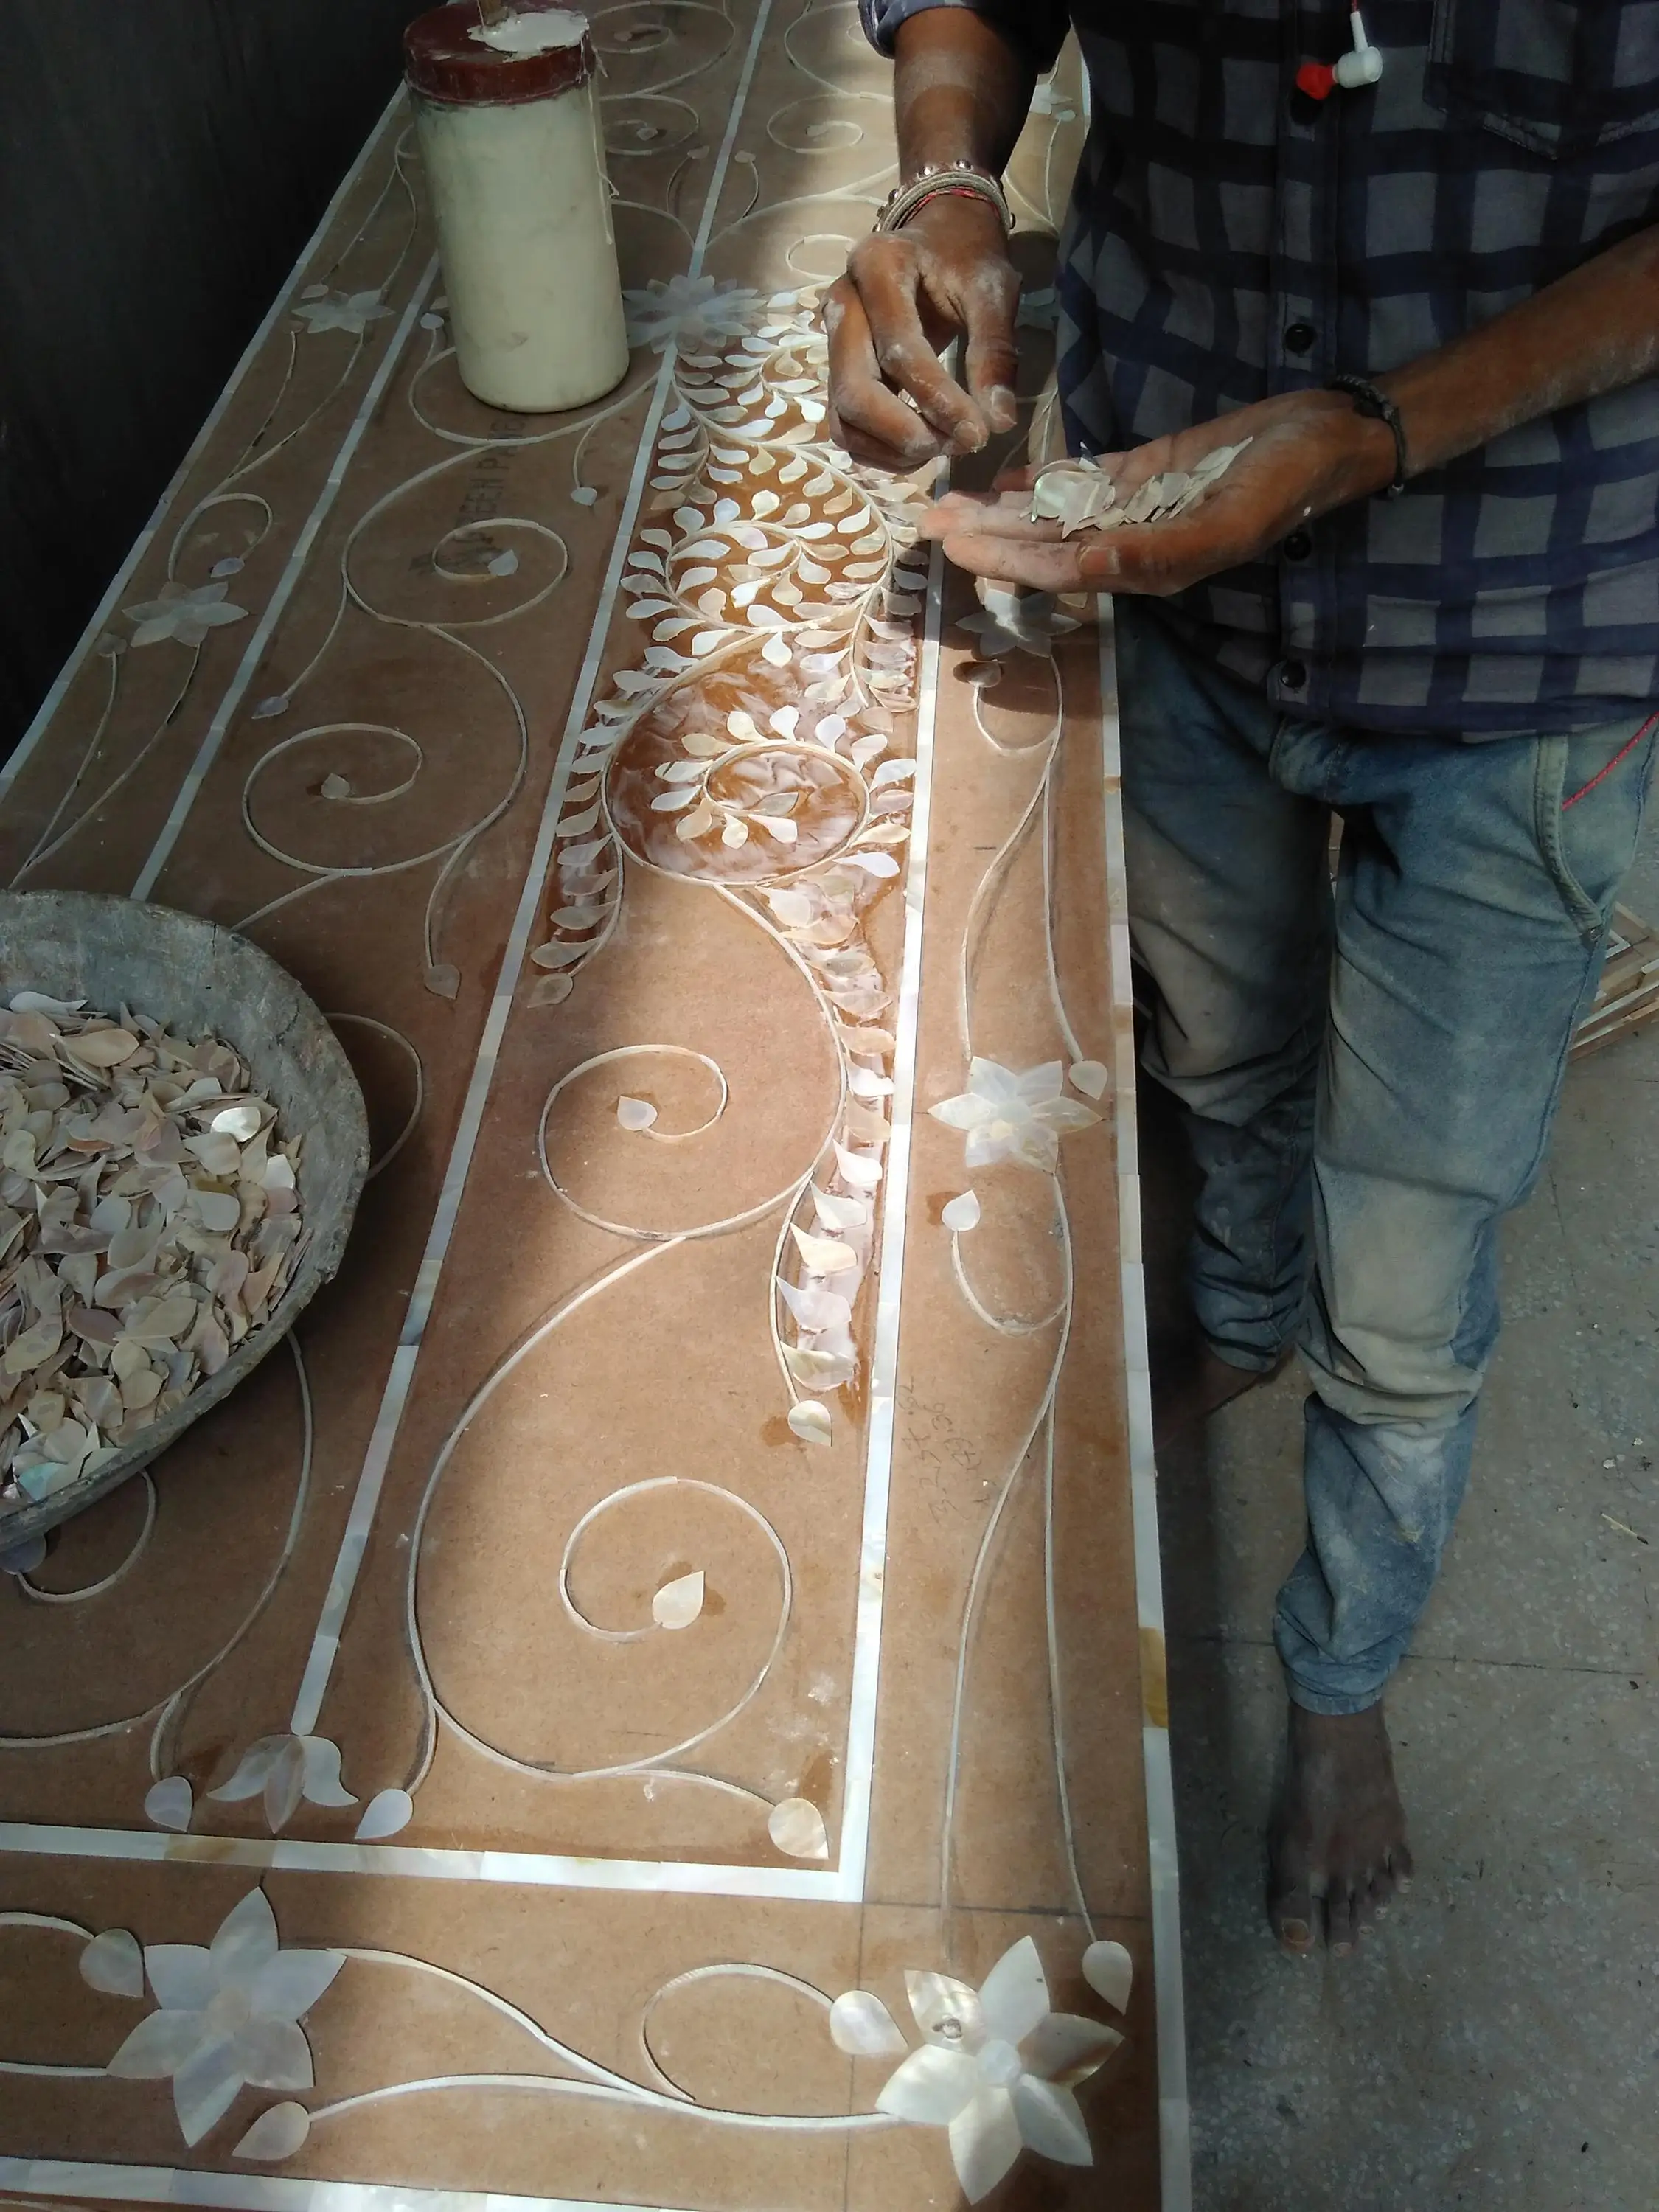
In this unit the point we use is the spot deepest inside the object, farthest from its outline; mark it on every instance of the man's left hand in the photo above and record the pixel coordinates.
(1309, 452)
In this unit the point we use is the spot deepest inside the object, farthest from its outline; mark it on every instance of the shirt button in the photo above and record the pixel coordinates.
(1297, 545)
(1299, 338)
(1292, 675)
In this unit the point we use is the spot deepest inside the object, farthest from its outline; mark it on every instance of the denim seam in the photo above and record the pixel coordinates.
(1549, 792)
(1586, 990)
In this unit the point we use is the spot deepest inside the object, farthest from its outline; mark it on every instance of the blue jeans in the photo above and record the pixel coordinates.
(1368, 1072)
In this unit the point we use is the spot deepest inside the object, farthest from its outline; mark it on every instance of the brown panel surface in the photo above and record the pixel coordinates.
(696, 1648)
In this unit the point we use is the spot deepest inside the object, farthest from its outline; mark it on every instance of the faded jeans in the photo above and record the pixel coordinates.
(1369, 1073)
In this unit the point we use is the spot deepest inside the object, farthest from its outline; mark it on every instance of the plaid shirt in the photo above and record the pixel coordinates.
(1228, 241)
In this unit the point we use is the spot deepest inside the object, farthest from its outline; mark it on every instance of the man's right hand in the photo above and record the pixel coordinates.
(905, 294)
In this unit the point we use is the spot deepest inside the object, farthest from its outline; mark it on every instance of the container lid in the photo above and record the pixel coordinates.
(539, 48)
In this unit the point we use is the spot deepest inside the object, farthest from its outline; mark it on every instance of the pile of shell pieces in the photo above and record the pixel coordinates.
(148, 1220)
(1081, 495)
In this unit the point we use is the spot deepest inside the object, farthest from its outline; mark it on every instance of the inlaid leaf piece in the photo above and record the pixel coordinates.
(113, 1963)
(1109, 1971)
(861, 2026)
(278, 2132)
(679, 1603)
(385, 1814)
(170, 1804)
(796, 1826)
(809, 1419)
(961, 1213)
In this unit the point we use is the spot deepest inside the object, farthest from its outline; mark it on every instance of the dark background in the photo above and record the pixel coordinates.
(161, 164)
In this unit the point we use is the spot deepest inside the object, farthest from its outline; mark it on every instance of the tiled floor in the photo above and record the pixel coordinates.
(695, 1651)
(1496, 2046)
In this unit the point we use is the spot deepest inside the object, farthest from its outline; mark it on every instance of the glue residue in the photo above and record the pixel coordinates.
(533, 34)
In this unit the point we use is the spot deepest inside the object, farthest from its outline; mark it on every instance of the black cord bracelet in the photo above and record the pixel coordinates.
(1377, 407)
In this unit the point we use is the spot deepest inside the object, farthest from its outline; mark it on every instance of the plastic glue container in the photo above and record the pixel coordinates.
(508, 130)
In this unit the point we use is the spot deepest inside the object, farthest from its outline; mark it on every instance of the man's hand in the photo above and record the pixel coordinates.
(946, 274)
(1310, 452)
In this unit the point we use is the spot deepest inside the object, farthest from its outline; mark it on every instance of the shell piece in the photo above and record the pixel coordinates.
(385, 1814)
(824, 1255)
(102, 1047)
(277, 2133)
(1079, 494)
(170, 1804)
(797, 1828)
(961, 1213)
(679, 1603)
(810, 1421)
(113, 1963)
(1109, 1971)
(140, 1174)
(861, 2026)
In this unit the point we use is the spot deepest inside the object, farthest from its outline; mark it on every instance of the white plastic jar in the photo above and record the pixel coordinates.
(509, 131)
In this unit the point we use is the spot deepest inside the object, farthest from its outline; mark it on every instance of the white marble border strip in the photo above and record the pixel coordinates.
(208, 751)
(1175, 2134)
(266, 2192)
(31, 738)
(531, 1869)
(854, 1851)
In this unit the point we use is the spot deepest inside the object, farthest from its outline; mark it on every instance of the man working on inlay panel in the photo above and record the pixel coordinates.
(1428, 600)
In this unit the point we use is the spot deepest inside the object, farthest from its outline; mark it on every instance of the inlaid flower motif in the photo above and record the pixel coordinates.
(693, 310)
(997, 2067)
(340, 311)
(285, 1770)
(1009, 1115)
(229, 2017)
(186, 612)
(1017, 622)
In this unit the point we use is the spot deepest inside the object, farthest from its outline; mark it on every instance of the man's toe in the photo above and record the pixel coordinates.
(1292, 1918)
(1342, 1922)
(1400, 1867)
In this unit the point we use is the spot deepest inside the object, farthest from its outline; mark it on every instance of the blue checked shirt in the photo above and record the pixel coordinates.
(1228, 241)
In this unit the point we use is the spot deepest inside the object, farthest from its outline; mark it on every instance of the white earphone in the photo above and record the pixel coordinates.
(1364, 64)
(1362, 67)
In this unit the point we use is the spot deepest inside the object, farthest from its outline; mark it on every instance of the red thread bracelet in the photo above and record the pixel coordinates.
(946, 192)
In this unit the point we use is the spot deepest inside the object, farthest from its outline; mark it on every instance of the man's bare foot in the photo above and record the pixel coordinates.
(1339, 1837)
(1202, 1385)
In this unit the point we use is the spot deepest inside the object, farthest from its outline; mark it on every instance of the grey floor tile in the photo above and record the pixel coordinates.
(1496, 2044)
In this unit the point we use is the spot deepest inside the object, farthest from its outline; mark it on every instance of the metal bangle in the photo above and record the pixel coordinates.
(906, 200)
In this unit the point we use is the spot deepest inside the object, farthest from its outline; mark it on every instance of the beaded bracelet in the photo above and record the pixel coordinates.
(1378, 408)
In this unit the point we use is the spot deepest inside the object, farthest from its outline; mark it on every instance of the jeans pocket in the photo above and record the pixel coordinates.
(1589, 793)
(1560, 77)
